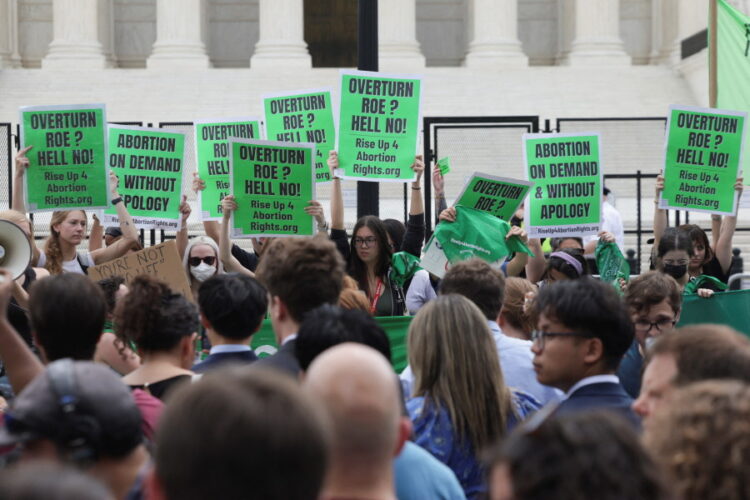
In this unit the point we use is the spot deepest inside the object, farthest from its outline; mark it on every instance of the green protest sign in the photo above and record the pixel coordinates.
(702, 159)
(378, 126)
(68, 164)
(444, 165)
(212, 157)
(272, 183)
(148, 162)
(567, 176)
(499, 196)
(303, 116)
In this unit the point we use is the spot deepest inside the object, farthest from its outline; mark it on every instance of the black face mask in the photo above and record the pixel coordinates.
(675, 271)
(516, 221)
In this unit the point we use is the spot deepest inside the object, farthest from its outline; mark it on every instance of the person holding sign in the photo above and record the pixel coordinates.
(68, 229)
(371, 247)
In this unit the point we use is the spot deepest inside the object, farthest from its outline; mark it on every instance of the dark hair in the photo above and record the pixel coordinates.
(593, 452)
(560, 264)
(476, 280)
(589, 306)
(303, 272)
(67, 313)
(396, 230)
(42, 480)
(556, 242)
(329, 325)
(704, 352)
(153, 317)
(234, 304)
(255, 428)
(649, 289)
(698, 235)
(109, 287)
(674, 239)
(357, 268)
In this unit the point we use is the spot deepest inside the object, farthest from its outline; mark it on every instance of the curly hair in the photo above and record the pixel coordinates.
(703, 440)
(52, 249)
(153, 317)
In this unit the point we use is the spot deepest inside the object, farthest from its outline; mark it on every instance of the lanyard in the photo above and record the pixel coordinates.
(376, 297)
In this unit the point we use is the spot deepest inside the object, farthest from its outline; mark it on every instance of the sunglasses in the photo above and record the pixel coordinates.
(196, 261)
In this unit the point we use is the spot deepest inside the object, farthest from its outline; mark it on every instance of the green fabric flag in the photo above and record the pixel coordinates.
(396, 327)
(403, 265)
(733, 62)
(477, 234)
(611, 264)
(731, 308)
(701, 281)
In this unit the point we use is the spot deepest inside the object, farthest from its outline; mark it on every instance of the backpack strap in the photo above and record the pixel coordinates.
(82, 262)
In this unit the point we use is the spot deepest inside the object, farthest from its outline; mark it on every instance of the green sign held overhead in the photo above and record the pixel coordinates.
(497, 195)
(703, 155)
(567, 175)
(378, 126)
(68, 162)
(148, 162)
(304, 116)
(212, 158)
(444, 165)
(272, 183)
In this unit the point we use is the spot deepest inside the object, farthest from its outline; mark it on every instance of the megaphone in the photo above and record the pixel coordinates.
(15, 248)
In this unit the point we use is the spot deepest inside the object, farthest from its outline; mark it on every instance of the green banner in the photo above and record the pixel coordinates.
(725, 308)
(212, 158)
(567, 176)
(499, 196)
(68, 162)
(303, 116)
(733, 64)
(272, 183)
(702, 158)
(148, 162)
(378, 126)
(396, 327)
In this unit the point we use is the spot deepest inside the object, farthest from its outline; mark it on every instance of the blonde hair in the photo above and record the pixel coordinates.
(52, 249)
(456, 367)
(513, 302)
(19, 219)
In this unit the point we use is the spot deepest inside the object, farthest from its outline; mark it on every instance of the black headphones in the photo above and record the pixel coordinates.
(79, 436)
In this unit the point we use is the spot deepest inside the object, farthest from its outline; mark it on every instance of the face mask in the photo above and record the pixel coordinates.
(675, 271)
(202, 271)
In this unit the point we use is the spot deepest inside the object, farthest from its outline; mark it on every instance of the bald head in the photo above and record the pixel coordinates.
(358, 388)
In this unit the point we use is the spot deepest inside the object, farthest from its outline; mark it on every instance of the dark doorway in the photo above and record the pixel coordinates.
(331, 32)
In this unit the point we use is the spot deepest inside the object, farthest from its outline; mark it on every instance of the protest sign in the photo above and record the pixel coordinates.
(499, 196)
(303, 116)
(444, 165)
(160, 261)
(702, 157)
(148, 162)
(567, 175)
(212, 157)
(272, 183)
(378, 126)
(68, 164)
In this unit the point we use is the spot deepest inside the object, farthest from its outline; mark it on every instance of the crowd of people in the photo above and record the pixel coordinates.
(530, 380)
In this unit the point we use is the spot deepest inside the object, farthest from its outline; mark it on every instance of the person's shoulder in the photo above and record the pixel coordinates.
(524, 403)
(420, 475)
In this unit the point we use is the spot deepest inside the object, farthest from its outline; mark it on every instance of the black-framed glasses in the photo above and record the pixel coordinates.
(196, 261)
(365, 242)
(539, 337)
(662, 324)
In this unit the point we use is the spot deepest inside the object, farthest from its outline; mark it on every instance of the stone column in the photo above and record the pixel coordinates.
(597, 34)
(282, 31)
(82, 34)
(180, 35)
(9, 56)
(397, 36)
(494, 27)
(664, 26)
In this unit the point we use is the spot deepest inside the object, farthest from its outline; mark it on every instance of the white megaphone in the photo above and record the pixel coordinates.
(15, 249)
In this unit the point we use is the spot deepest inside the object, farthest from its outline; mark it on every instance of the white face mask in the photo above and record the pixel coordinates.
(202, 271)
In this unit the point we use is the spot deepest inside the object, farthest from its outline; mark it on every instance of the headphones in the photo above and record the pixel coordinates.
(79, 436)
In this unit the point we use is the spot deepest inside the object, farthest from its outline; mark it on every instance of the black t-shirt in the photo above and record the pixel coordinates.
(713, 268)
(247, 259)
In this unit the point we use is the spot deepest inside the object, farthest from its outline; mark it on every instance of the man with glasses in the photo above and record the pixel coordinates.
(654, 301)
(583, 330)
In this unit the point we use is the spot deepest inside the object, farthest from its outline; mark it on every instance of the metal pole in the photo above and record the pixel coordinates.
(368, 193)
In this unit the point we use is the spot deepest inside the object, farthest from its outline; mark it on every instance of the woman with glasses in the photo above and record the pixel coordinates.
(459, 403)
(370, 250)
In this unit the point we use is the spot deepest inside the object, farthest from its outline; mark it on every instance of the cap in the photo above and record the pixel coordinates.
(82, 407)
(606, 190)
(113, 231)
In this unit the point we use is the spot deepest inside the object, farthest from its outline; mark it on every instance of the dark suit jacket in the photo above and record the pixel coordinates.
(601, 396)
(284, 360)
(220, 359)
